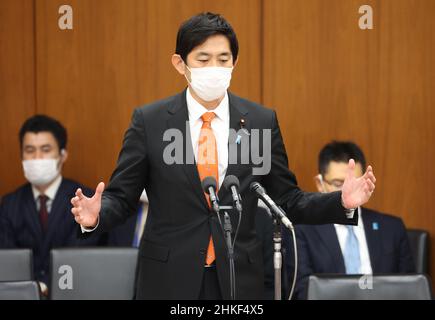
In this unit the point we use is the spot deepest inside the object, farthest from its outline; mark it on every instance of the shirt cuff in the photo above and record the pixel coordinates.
(349, 212)
(85, 229)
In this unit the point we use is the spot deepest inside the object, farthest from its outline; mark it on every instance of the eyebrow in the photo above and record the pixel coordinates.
(29, 146)
(202, 53)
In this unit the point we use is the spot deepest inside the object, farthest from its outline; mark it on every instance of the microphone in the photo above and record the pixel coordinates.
(231, 183)
(261, 193)
(228, 229)
(209, 187)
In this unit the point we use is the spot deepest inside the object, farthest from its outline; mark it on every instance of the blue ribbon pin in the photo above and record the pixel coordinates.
(239, 137)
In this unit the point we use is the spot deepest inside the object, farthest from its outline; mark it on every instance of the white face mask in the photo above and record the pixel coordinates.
(40, 172)
(210, 83)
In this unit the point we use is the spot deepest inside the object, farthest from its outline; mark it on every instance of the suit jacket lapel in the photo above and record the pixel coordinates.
(31, 214)
(373, 239)
(237, 113)
(178, 117)
(329, 238)
(177, 120)
(57, 213)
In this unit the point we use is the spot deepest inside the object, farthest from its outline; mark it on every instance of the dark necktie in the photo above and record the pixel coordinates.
(43, 213)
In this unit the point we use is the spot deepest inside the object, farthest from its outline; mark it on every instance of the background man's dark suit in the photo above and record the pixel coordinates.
(122, 235)
(319, 250)
(172, 250)
(20, 226)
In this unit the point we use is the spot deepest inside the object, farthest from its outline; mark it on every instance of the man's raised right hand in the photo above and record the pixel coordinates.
(86, 210)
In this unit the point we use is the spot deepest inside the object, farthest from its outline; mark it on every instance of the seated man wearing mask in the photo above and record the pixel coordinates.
(37, 214)
(378, 244)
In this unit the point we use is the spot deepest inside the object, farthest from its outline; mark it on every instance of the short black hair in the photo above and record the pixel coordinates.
(199, 28)
(42, 123)
(340, 151)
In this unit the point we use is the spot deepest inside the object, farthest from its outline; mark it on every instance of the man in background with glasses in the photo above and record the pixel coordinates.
(378, 244)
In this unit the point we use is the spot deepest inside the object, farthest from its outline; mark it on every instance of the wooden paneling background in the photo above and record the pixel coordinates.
(308, 59)
(117, 58)
(17, 85)
(328, 79)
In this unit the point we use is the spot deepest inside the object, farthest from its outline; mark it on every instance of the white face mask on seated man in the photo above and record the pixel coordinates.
(41, 172)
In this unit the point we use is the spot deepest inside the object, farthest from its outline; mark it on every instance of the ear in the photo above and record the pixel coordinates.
(235, 62)
(178, 64)
(319, 183)
(63, 155)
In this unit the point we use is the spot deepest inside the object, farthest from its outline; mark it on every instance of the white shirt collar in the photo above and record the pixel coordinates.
(51, 190)
(196, 110)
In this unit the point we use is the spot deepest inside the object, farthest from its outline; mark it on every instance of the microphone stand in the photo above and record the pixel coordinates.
(277, 254)
(278, 213)
(227, 230)
(209, 186)
(227, 233)
(277, 257)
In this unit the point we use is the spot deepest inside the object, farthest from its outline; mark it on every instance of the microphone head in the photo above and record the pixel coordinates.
(254, 186)
(230, 181)
(207, 183)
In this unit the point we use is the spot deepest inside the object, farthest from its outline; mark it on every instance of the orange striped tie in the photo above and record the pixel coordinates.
(207, 164)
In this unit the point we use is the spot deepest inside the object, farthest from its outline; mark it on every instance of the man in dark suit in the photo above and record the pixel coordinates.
(173, 144)
(378, 244)
(37, 215)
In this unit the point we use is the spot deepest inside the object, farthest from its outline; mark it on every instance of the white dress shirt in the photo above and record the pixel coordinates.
(50, 193)
(366, 267)
(220, 126)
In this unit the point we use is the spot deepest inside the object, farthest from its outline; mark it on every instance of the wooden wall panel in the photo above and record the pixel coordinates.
(308, 59)
(328, 79)
(17, 85)
(116, 58)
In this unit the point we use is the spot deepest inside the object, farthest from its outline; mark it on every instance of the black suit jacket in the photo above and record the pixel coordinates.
(174, 243)
(20, 226)
(319, 250)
